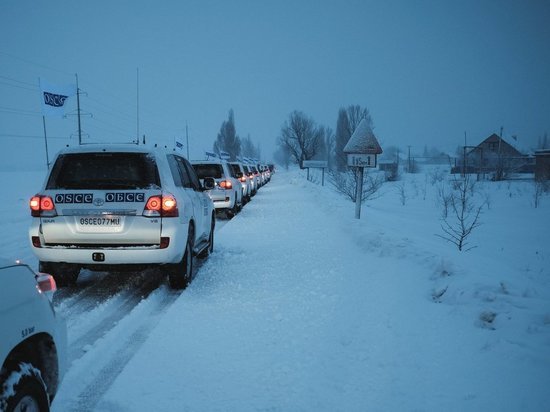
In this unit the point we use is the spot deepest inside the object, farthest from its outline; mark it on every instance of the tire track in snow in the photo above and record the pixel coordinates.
(118, 345)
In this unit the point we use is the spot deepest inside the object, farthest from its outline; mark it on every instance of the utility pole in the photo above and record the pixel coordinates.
(187, 139)
(500, 172)
(78, 111)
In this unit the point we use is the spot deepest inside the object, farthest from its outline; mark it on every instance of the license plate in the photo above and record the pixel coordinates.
(102, 221)
(100, 224)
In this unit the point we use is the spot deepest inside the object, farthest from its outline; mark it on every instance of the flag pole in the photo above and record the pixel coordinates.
(46, 141)
(44, 127)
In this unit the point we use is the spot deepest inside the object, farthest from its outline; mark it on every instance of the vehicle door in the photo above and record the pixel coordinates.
(203, 200)
(193, 202)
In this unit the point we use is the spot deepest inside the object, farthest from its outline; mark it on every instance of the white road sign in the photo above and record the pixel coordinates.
(362, 160)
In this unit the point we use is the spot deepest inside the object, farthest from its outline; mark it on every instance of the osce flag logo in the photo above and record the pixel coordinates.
(55, 100)
(54, 97)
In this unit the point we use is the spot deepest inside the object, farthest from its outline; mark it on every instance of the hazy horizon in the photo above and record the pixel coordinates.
(429, 71)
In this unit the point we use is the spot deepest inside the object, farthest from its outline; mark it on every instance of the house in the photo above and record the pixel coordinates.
(496, 156)
(542, 164)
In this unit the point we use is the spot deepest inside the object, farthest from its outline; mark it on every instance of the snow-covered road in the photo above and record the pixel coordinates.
(302, 307)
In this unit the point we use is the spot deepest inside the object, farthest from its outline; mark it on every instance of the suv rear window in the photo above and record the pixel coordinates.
(235, 168)
(104, 171)
(208, 170)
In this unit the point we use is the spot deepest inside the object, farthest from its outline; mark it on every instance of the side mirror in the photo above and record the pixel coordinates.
(209, 183)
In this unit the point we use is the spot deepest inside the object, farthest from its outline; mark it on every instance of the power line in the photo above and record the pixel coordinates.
(19, 87)
(19, 81)
(31, 136)
(34, 63)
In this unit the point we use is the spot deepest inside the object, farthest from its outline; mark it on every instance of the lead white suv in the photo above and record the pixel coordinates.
(33, 342)
(121, 207)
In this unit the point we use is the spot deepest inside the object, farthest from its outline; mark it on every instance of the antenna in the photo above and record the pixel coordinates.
(137, 107)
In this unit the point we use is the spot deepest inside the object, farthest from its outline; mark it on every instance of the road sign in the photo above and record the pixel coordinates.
(315, 163)
(361, 160)
(362, 149)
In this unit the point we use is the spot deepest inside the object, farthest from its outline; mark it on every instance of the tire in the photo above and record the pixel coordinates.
(65, 274)
(181, 274)
(208, 251)
(24, 390)
(234, 210)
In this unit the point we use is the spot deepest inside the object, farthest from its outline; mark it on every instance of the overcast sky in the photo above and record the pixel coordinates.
(428, 71)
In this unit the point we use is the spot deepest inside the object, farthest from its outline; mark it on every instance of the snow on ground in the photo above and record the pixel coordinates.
(303, 307)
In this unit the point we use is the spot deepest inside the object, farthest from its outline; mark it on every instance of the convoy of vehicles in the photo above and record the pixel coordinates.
(107, 207)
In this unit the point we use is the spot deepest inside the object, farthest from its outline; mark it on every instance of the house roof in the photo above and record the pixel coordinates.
(505, 147)
(363, 141)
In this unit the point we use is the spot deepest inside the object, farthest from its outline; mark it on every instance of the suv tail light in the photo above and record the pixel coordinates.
(42, 206)
(161, 205)
(45, 283)
(226, 184)
(242, 179)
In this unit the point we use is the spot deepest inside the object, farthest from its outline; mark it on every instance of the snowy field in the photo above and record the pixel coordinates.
(304, 308)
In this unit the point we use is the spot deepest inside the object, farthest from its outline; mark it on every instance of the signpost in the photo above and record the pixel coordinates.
(362, 150)
(318, 164)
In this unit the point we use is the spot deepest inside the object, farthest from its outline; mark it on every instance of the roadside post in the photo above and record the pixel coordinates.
(362, 150)
(317, 164)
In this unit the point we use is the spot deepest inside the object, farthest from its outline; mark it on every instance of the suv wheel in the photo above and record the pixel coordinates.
(65, 274)
(234, 210)
(24, 390)
(180, 274)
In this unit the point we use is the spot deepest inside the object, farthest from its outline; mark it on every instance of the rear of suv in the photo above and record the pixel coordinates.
(238, 171)
(33, 343)
(121, 207)
(227, 194)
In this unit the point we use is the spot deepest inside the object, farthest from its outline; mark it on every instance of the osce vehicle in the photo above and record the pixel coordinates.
(227, 194)
(121, 207)
(251, 179)
(239, 172)
(33, 342)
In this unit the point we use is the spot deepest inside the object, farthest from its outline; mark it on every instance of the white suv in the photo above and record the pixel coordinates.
(33, 343)
(227, 195)
(121, 207)
(238, 171)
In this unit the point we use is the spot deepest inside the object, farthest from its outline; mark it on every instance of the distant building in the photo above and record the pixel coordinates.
(495, 156)
(542, 164)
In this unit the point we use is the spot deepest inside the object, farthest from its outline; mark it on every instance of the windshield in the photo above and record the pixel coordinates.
(104, 171)
(208, 170)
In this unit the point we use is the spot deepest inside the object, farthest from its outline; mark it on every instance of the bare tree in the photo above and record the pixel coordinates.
(300, 137)
(282, 156)
(402, 192)
(357, 113)
(464, 213)
(346, 183)
(540, 186)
